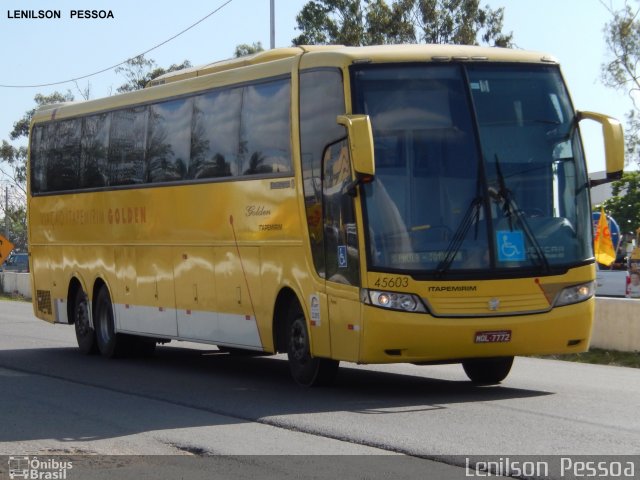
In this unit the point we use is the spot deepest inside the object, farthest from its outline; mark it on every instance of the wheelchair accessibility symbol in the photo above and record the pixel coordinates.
(510, 246)
(342, 256)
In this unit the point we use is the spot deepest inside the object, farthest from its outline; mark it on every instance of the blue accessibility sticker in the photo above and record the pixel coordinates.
(342, 256)
(510, 246)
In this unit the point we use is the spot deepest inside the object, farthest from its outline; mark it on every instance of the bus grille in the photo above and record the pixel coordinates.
(488, 306)
(43, 298)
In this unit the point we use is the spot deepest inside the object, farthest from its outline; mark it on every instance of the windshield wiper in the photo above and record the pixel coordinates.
(471, 216)
(511, 210)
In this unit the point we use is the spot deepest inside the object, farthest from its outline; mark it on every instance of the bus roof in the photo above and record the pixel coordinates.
(280, 61)
(222, 65)
(372, 53)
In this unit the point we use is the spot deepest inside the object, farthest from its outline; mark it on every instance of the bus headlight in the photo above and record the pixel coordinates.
(575, 294)
(405, 302)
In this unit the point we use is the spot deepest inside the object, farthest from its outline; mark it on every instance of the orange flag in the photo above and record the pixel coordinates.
(603, 245)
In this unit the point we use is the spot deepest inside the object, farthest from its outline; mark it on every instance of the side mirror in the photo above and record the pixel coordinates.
(613, 143)
(360, 144)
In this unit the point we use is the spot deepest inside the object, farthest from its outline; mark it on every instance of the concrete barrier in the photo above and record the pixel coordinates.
(11, 282)
(617, 324)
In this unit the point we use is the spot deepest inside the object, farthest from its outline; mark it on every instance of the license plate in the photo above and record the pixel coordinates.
(493, 336)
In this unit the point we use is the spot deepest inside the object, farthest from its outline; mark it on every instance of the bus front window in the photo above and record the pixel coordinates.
(477, 167)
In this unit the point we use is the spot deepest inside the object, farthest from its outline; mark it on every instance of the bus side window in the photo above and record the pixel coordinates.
(94, 146)
(321, 101)
(340, 232)
(127, 145)
(265, 145)
(169, 141)
(63, 166)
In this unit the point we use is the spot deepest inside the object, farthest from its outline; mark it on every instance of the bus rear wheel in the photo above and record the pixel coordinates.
(110, 343)
(306, 370)
(487, 371)
(85, 334)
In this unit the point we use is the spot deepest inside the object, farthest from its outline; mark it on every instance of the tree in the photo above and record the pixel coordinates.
(460, 22)
(139, 71)
(369, 22)
(624, 205)
(245, 49)
(14, 218)
(13, 172)
(621, 71)
(21, 127)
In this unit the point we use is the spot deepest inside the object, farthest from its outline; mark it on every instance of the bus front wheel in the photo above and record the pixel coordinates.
(487, 371)
(306, 370)
(85, 334)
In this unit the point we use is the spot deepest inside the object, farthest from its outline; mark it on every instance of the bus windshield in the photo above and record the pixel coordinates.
(479, 168)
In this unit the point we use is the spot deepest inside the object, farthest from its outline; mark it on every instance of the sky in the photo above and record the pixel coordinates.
(42, 51)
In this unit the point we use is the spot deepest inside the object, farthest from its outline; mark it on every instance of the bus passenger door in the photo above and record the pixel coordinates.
(342, 258)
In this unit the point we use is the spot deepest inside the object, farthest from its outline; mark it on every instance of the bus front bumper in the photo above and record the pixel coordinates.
(392, 337)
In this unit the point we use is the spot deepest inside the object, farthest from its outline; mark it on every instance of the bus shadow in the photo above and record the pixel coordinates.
(59, 393)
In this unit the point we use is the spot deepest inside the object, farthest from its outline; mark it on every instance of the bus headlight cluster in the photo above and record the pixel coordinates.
(405, 302)
(575, 294)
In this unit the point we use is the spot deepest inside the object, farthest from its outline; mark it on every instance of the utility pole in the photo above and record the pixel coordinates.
(273, 25)
(6, 210)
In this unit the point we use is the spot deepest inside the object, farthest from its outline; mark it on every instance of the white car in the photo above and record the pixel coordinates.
(611, 283)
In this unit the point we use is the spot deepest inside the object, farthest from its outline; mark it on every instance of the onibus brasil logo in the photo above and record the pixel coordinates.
(38, 469)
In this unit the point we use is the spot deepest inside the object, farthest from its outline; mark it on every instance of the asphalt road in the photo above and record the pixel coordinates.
(193, 401)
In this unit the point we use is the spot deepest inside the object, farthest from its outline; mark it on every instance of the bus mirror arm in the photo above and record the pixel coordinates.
(594, 182)
(351, 188)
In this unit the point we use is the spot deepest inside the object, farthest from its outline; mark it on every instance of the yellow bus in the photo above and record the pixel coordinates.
(422, 204)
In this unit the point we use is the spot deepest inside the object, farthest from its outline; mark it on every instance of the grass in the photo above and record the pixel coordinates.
(602, 357)
(13, 297)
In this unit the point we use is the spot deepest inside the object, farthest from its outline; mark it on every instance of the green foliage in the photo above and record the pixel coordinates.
(370, 22)
(15, 157)
(622, 36)
(602, 357)
(245, 49)
(460, 22)
(624, 206)
(139, 71)
(14, 223)
(389, 24)
(21, 127)
(13, 173)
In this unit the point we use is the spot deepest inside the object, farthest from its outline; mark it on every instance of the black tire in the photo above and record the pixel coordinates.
(305, 369)
(85, 334)
(110, 343)
(487, 371)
